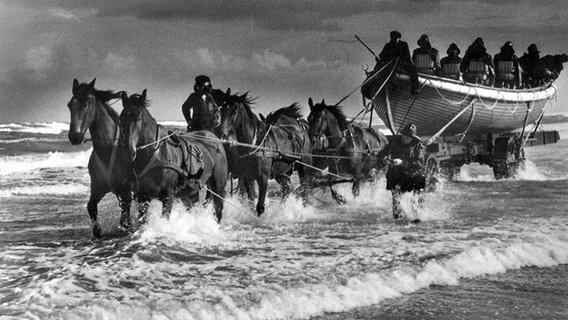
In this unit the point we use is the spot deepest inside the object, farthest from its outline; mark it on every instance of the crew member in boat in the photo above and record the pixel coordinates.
(477, 65)
(450, 65)
(426, 59)
(397, 48)
(506, 64)
(529, 64)
(198, 117)
(406, 173)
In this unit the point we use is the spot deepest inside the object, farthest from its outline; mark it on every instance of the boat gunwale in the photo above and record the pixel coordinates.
(464, 88)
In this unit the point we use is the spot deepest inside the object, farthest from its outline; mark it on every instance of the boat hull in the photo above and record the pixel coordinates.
(467, 108)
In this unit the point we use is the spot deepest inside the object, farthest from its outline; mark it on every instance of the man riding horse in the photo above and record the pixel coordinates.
(200, 109)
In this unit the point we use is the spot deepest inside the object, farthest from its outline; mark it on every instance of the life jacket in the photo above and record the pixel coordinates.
(477, 72)
(451, 70)
(505, 70)
(424, 64)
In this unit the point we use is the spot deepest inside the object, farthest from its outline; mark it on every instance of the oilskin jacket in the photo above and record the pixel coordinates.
(410, 175)
(203, 115)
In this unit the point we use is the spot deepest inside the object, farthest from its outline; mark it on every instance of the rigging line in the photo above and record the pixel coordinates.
(387, 79)
(236, 143)
(366, 81)
(157, 141)
(406, 115)
(239, 208)
(321, 170)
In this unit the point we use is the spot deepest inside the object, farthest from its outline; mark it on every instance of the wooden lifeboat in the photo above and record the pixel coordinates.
(446, 107)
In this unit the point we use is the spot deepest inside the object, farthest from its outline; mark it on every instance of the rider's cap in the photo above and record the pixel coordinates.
(410, 130)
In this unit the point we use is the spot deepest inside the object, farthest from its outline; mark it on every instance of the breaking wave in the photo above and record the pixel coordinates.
(26, 163)
(41, 128)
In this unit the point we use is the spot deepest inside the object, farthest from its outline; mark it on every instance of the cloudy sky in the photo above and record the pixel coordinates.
(282, 51)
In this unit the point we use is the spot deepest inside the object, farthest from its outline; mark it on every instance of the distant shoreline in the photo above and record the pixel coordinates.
(554, 118)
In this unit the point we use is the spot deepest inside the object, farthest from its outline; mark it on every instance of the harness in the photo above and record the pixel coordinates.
(107, 170)
(154, 162)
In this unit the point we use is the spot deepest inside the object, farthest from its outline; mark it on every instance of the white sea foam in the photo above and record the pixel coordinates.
(26, 163)
(173, 123)
(268, 300)
(41, 128)
(196, 225)
(59, 189)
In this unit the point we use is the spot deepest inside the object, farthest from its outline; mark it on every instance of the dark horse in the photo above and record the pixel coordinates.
(108, 164)
(166, 165)
(356, 148)
(272, 147)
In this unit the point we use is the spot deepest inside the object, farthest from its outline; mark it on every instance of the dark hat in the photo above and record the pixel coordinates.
(452, 47)
(423, 41)
(202, 80)
(410, 130)
(533, 49)
(395, 35)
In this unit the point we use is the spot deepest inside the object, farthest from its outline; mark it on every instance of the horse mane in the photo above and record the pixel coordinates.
(138, 101)
(104, 97)
(242, 99)
(337, 111)
(292, 111)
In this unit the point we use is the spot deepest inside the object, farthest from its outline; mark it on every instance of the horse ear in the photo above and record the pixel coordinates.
(75, 84)
(92, 84)
(144, 94)
(124, 97)
(228, 91)
(323, 101)
(311, 103)
(262, 117)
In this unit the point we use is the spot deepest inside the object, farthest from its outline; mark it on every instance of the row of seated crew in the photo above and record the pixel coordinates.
(505, 70)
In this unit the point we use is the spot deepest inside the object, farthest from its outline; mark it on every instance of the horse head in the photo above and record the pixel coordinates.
(235, 110)
(132, 121)
(318, 123)
(82, 108)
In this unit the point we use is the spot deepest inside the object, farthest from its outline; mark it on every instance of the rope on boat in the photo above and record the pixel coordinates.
(447, 100)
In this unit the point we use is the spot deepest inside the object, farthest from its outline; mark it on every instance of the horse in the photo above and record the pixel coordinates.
(357, 149)
(267, 149)
(108, 164)
(171, 164)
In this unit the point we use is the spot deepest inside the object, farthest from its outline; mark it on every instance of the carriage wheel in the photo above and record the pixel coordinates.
(432, 172)
(432, 166)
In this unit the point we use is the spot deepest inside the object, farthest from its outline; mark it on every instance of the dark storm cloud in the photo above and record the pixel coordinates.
(278, 15)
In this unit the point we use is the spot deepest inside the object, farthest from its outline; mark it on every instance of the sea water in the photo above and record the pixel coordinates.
(485, 249)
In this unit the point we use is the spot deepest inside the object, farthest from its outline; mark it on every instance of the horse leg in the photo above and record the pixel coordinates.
(167, 203)
(125, 200)
(143, 205)
(396, 206)
(334, 194)
(217, 186)
(262, 182)
(356, 186)
(92, 208)
(284, 182)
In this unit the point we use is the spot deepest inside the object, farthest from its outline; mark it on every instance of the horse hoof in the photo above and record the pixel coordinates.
(125, 226)
(259, 210)
(97, 231)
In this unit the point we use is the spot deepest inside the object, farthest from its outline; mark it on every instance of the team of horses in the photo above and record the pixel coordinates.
(135, 158)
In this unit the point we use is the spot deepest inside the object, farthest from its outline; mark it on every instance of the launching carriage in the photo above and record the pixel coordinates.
(463, 123)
